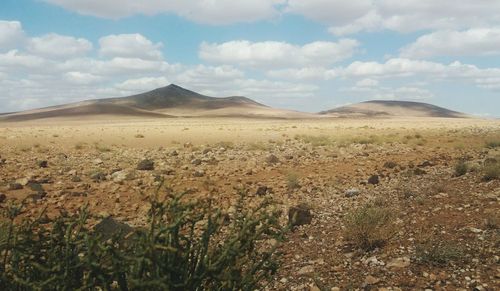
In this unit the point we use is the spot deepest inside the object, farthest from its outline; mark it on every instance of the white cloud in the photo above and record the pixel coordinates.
(142, 84)
(58, 46)
(388, 93)
(15, 60)
(273, 54)
(81, 78)
(471, 42)
(367, 83)
(211, 12)
(129, 46)
(306, 73)
(11, 34)
(346, 17)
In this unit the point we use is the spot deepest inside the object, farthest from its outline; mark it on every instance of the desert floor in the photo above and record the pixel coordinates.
(444, 228)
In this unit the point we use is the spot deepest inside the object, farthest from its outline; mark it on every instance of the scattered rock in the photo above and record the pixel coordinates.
(299, 215)
(2, 198)
(146, 165)
(399, 263)
(425, 164)
(42, 164)
(98, 176)
(352, 193)
(199, 173)
(419, 171)
(121, 176)
(272, 159)
(15, 186)
(76, 179)
(109, 227)
(262, 190)
(305, 270)
(370, 280)
(196, 162)
(374, 180)
(390, 165)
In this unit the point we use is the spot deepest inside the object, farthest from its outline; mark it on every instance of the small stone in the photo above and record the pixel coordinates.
(146, 165)
(76, 179)
(374, 180)
(272, 159)
(390, 165)
(23, 181)
(352, 193)
(2, 198)
(305, 270)
(196, 162)
(419, 171)
(399, 263)
(262, 190)
(15, 186)
(299, 215)
(42, 164)
(199, 173)
(121, 176)
(97, 162)
(98, 176)
(109, 227)
(370, 280)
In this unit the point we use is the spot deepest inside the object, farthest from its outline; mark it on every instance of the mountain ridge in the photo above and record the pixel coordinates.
(175, 101)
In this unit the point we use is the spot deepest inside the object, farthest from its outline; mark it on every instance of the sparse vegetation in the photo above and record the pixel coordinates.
(369, 226)
(292, 181)
(492, 144)
(461, 168)
(439, 252)
(491, 171)
(314, 140)
(139, 135)
(187, 246)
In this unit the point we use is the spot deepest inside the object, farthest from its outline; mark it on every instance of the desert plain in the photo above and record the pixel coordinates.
(434, 177)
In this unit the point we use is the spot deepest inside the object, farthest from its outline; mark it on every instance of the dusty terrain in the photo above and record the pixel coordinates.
(329, 164)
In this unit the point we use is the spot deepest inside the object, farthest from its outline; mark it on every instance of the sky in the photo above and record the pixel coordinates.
(307, 55)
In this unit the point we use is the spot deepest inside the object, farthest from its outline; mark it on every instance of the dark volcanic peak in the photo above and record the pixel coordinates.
(394, 108)
(175, 96)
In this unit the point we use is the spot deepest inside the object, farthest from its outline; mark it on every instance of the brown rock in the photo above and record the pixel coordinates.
(299, 215)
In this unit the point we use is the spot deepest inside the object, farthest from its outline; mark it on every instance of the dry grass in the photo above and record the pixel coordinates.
(369, 226)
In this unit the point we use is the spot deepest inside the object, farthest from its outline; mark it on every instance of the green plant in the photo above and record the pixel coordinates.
(292, 181)
(369, 226)
(187, 246)
(461, 168)
(491, 171)
(438, 252)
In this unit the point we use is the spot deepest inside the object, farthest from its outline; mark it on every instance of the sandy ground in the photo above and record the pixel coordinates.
(168, 132)
(299, 161)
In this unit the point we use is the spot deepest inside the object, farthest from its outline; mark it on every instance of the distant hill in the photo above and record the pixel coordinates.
(384, 108)
(165, 102)
(174, 101)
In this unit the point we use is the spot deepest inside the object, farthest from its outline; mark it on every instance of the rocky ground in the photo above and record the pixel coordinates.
(444, 225)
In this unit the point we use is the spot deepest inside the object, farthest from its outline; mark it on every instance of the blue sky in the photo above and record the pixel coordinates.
(306, 55)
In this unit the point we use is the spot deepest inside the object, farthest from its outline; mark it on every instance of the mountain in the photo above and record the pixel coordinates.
(166, 102)
(384, 108)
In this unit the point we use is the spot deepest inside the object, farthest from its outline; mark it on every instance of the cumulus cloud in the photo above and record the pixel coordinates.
(374, 91)
(346, 17)
(11, 34)
(471, 42)
(211, 12)
(129, 46)
(273, 54)
(58, 46)
(140, 85)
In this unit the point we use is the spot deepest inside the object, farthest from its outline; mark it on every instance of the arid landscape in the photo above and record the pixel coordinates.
(399, 196)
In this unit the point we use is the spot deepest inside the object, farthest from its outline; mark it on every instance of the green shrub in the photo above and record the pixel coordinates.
(187, 246)
(461, 168)
(491, 171)
(369, 226)
(438, 252)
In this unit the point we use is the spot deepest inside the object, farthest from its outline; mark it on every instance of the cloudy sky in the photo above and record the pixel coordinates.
(308, 55)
